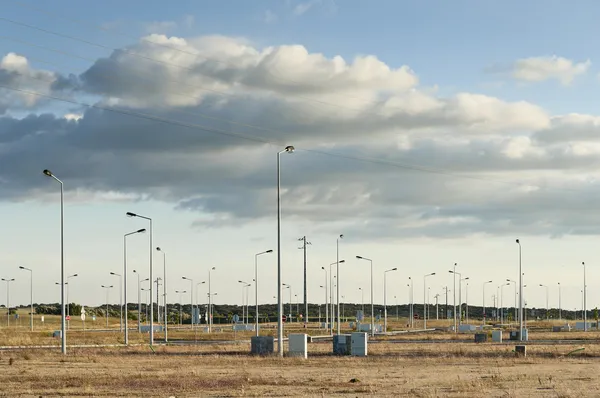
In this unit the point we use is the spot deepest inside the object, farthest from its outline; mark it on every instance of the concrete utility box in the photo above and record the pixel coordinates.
(521, 350)
(342, 344)
(298, 345)
(466, 328)
(581, 325)
(57, 334)
(480, 337)
(262, 345)
(239, 327)
(364, 327)
(146, 328)
(359, 341)
(497, 336)
(514, 335)
(325, 325)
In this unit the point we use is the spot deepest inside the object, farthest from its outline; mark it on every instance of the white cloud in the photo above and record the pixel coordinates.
(160, 26)
(302, 8)
(270, 17)
(537, 69)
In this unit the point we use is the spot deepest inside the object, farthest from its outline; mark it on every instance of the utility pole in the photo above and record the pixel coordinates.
(446, 308)
(158, 299)
(304, 243)
(437, 315)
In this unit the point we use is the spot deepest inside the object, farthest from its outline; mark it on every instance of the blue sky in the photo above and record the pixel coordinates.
(451, 47)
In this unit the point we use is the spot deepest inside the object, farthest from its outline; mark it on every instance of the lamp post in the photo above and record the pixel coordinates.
(425, 299)
(547, 308)
(515, 282)
(244, 286)
(584, 299)
(520, 294)
(502, 298)
(484, 283)
(147, 300)
(362, 294)
(48, 173)
(397, 316)
(287, 149)
(326, 300)
(130, 214)
(559, 304)
(139, 292)
(338, 282)
(460, 298)
(372, 305)
(256, 285)
(197, 300)
(165, 312)
(412, 303)
(191, 298)
(332, 302)
(210, 296)
(30, 294)
(289, 287)
(8, 299)
(384, 297)
(139, 231)
(181, 292)
(107, 287)
(454, 294)
(68, 304)
(120, 300)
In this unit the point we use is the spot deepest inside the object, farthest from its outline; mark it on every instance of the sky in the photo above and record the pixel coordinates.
(427, 133)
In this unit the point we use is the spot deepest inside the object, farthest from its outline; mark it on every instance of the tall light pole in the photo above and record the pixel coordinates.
(181, 292)
(326, 299)
(120, 300)
(48, 173)
(68, 301)
(107, 287)
(197, 300)
(520, 294)
(191, 298)
(8, 299)
(130, 214)
(30, 294)
(287, 149)
(147, 300)
(362, 294)
(502, 298)
(256, 285)
(244, 286)
(210, 296)
(412, 303)
(584, 299)
(338, 282)
(454, 294)
(547, 308)
(460, 297)
(425, 299)
(515, 282)
(287, 286)
(139, 231)
(139, 301)
(559, 304)
(484, 317)
(372, 305)
(384, 297)
(165, 312)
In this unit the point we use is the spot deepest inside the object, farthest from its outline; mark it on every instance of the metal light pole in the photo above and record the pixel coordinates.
(338, 282)
(437, 315)
(584, 299)
(31, 295)
(120, 300)
(412, 303)
(287, 149)
(326, 300)
(48, 173)
(289, 287)
(547, 308)
(191, 298)
(460, 297)
(139, 231)
(256, 285)
(147, 300)
(130, 214)
(454, 294)
(68, 304)
(372, 305)
(425, 299)
(520, 294)
(515, 282)
(362, 294)
(502, 299)
(559, 304)
(107, 287)
(484, 317)
(384, 298)
(210, 296)
(165, 312)
(181, 292)
(8, 299)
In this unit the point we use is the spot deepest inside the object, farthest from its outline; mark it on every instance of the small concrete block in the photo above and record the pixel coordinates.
(359, 343)
(497, 336)
(480, 337)
(521, 350)
(262, 345)
(342, 344)
(297, 345)
(57, 334)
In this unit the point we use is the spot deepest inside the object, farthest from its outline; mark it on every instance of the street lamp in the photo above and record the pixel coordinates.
(139, 301)
(412, 303)
(547, 314)
(502, 318)
(460, 298)
(520, 294)
(287, 149)
(191, 298)
(584, 300)
(337, 272)
(107, 287)
(244, 286)
(210, 295)
(484, 283)
(384, 297)
(68, 301)
(48, 173)
(7, 299)
(147, 296)
(181, 292)
(424, 299)
(372, 305)
(454, 294)
(331, 286)
(326, 299)
(139, 231)
(165, 313)
(559, 304)
(197, 300)
(515, 282)
(130, 214)
(256, 285)
(31, 295)
(362, 294)
(289, 287)
(120, 300)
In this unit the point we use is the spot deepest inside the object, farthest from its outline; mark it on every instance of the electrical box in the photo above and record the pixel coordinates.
(359, 342)
(298, 345)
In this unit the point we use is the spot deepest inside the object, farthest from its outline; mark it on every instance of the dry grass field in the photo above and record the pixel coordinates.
(433, 364)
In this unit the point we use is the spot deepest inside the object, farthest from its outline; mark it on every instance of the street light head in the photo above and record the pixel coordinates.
(269, 251)
(359, 257)
(75, 275)
(394, 269)
(518, 241)
(451, 271)
(341, 236)
(489, 281)
(141, 231)
(541, 285)
(582, 263)
(130, 214)
(342, 261)
(112, 273)
(433, 273)
(183, 277)
(21, 267)
(213, 268)
(289, 149)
